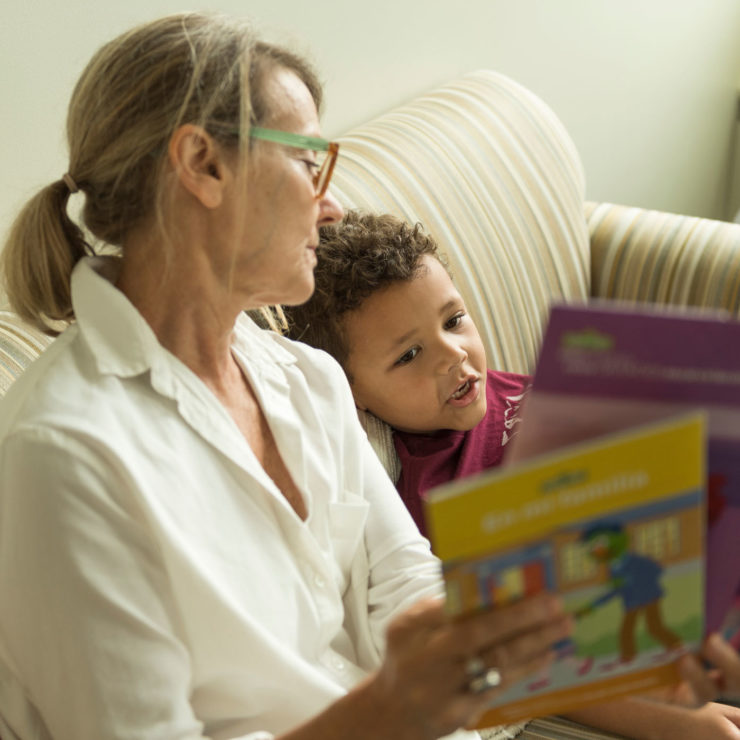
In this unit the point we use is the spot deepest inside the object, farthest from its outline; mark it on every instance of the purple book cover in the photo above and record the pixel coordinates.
(605, 367)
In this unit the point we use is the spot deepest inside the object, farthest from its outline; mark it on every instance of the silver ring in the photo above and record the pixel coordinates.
(474, 667)
(490, 679)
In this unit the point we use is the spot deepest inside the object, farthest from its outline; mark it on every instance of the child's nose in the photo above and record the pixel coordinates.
(453, 356)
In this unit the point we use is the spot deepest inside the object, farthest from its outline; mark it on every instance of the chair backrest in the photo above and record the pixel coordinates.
(489, 170)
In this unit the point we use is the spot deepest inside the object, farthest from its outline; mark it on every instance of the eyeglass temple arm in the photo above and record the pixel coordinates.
(284, 137)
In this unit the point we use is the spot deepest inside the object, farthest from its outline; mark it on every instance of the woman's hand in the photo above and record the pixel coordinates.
(422, 686)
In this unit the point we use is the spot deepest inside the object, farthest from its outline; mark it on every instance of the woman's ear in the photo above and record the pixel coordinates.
(198, 164)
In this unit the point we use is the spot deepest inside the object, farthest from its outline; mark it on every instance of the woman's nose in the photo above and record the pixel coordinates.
(330, 210)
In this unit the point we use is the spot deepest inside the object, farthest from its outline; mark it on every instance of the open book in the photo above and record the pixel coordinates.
(606, 366)
(616, 526)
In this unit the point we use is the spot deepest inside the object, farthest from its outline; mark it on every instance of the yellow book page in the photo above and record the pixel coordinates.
(521, 503)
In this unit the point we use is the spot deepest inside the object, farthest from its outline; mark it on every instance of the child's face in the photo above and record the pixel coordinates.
(415, 356)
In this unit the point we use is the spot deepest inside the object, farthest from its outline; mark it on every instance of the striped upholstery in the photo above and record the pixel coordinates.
(640, 255)
(19, 345)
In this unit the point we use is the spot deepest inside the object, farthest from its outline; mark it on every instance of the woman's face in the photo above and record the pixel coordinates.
(279, 214)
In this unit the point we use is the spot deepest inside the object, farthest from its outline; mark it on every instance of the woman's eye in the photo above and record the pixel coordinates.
(311, 165)
(407, 356)
(455, 321)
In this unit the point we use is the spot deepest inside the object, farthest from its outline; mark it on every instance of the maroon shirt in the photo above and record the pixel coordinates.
(427, 460)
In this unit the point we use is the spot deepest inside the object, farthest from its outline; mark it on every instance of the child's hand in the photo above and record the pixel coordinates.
(725, 659)
(713, 720)
(722, 679)
(645, 719)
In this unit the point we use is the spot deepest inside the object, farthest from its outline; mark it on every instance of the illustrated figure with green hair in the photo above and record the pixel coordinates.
(633, 578)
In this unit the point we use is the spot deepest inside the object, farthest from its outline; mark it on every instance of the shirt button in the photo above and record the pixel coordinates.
(318, 580)
(337, 663)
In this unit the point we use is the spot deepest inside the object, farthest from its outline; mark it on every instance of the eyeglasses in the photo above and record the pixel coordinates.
(326, 152)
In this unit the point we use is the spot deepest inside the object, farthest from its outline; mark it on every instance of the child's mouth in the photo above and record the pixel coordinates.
(465, 393)
(462, 390)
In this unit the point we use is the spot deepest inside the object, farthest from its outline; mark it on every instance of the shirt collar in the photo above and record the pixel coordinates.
(259, 344)
(121, 341)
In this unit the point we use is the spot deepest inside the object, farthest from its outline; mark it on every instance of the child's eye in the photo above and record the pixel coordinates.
(407, 356)
(455, 321)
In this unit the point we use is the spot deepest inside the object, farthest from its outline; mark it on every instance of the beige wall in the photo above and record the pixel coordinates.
(647, 88)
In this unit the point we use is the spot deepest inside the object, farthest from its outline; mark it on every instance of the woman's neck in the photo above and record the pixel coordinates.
(189, 311)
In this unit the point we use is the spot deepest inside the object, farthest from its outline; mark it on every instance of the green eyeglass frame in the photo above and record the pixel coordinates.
(323, 175)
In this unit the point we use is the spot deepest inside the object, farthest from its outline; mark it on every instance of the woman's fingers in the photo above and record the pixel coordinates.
(431, 659)
(527, 652)
(516, 632)
(516, 640)
(420, 620)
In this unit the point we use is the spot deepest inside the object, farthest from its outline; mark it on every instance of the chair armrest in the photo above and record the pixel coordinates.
(20, 344)
(642, 255)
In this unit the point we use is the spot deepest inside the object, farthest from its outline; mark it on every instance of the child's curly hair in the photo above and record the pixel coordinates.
(362, 254)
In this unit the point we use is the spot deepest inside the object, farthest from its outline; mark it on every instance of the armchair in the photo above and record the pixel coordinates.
(489, 169)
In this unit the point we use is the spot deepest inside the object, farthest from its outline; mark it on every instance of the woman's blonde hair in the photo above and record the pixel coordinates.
(135, 92)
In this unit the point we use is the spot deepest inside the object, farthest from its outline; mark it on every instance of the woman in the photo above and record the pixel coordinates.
(195, 537)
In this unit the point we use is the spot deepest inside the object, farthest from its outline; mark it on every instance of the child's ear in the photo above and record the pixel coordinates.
(359, 404)
(198, 164)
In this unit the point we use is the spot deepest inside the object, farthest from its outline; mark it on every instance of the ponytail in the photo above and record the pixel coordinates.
(36, 264)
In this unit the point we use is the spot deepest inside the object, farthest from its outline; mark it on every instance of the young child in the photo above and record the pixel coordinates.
(386, 308)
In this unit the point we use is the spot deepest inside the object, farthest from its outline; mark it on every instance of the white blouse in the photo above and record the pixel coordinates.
(154, 582)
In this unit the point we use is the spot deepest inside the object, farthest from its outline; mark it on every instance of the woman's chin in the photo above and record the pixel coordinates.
(300, 294)
(298, 286)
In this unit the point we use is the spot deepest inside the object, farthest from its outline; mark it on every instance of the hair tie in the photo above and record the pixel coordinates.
(70, 183)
